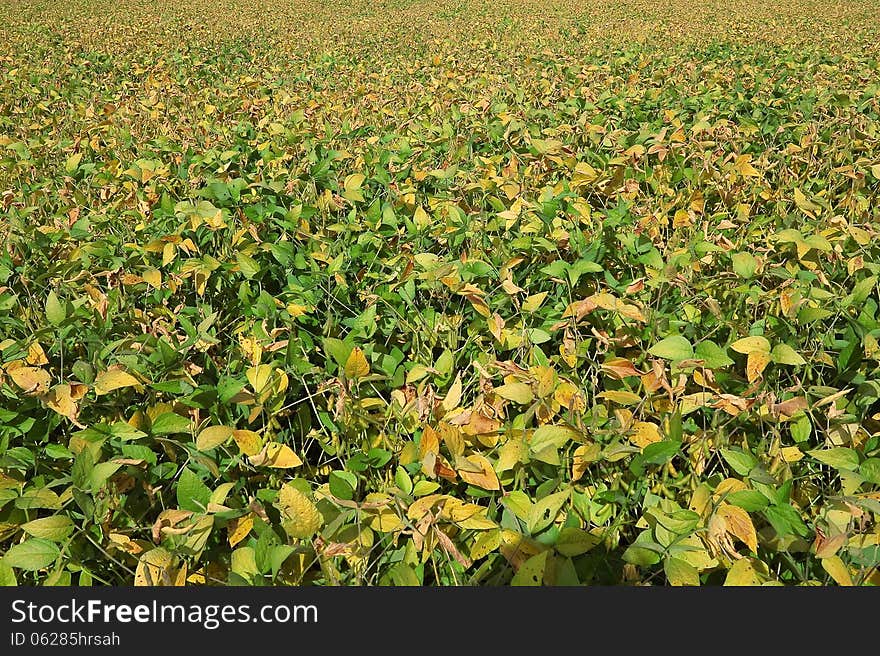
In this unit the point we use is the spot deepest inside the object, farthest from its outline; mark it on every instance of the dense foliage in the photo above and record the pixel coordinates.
(437, 293)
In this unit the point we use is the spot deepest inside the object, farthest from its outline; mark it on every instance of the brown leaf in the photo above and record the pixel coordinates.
(620, 368)
(450, 548)
(790, 407)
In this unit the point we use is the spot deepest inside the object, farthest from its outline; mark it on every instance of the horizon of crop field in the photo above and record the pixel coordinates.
(439, 293)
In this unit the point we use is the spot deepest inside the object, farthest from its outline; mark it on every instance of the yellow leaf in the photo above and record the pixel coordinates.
(804, 203)
(421, 507)
(729, 486)
(153, 277)
(621, 397)
(60, 400)
(36, 355)
(510, 454)
(252, 348)
(755, 365)
(681, 219)
(453, 396)
(517, 548)
(838, 570)
(584, 174)
(213, 436)
(259, 377)
(386, 521)
(568, 395)
(739, 524)
(113, 379)
(239, 528)
(421, 218)
(479, 305)
(169, 252)
(278, 456)
(679, 572)
(791, 453)
(484, 478)
(356, 366)
(582, 458)
(485, 543)
(533, 302)
(744, 168)
(180, 576)
(248, 441)
(354, 181)
(296, 310)
(742, 573)
(299, 516)
(451, 436)
(690, 402)
(154, 568)
(429, 442)
(32, 380)
(753, 344)
(516, 392)
(477, 522)
(645, 433)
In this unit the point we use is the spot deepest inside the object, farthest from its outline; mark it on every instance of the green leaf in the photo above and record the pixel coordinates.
(531, 572)
(338, 350)
(740, 461)
(575, 541)
(81, 471)
(550, 436)
(100, 473)
(785, 520)
(870, 469)
(32, 554)
(744, 265)
(712, 355)
(192, 494)
(247, 265)
(748, 500)
(72, 163)
(837, 457)
(643, 551)
(55, 312)
(543, 512)
(673, 348)
(343, 484)
(55, 528)
(659, 453)
(277, 555)
(403, 480)
(784, 354)
(7, 575)
(58, 452)
(170, 422)
(402, 574)
(861, 291)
